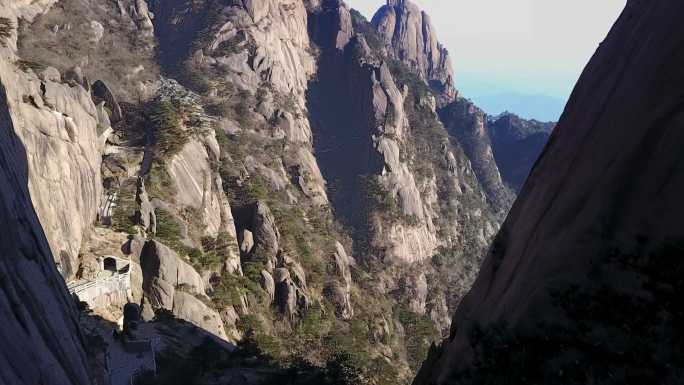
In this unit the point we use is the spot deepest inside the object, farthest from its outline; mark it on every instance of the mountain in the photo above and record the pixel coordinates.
(271, 191)
(529, 106)
(517, 144)
(581, 283)
(468, 124)
(409, 32)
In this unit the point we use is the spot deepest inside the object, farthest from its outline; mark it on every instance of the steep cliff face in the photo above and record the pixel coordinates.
(469, 125)
(63, 132)
(287, 182)
(581, 284)
(40, 337)
(390, 192)
(410, 38)
(409, 33)
(517, 144)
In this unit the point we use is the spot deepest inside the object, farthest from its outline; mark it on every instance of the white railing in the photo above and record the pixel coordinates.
(90, 290)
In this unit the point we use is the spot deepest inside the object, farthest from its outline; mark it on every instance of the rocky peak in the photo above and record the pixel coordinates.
(409, 33)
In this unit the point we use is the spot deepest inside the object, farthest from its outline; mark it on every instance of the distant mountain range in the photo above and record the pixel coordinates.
(538, 106)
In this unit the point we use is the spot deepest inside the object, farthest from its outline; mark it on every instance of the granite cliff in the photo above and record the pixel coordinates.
(40, 336)
(279, 174)
(581, 282)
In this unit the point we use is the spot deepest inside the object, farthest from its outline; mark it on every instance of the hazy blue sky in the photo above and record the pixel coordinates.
(524, 46)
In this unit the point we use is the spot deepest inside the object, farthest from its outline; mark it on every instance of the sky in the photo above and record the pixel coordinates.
(531, 47)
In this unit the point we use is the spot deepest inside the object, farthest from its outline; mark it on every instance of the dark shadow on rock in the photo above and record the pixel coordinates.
(342, 117)
(192, 356)
(39, 338)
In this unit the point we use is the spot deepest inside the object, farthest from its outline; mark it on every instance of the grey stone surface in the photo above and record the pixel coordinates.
(594, 229)
(41, 342)
(268, 284)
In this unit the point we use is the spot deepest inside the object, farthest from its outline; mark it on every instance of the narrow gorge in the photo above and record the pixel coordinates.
(283, 191)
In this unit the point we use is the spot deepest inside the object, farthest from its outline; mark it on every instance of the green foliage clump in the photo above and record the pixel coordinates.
(231, 288)
(26, 65)
(216, 250)
(381, 201)
(158, 182)
(403, 76)
(123, 215)
(169, 233)
(256, 189)
(170, 136)
(363, 27)
(237, 44)
(420, 334)
(6, 28)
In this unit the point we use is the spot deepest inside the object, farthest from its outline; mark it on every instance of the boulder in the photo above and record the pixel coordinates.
(298, 274)
(133, 247)
(163, 272)
(265, 231)
(268, 284)
(286, 298)
(96, 31)
(188, 307)
(230, 318)
(136, 282)
(246, 242)
(50, 74)
(280, 275)
(343, 263)
(439, 314)
(144, 214)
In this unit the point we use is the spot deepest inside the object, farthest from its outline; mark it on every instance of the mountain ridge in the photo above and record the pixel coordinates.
(250, 201)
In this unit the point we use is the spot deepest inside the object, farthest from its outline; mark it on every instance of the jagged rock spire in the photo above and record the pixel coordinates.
(409, 32)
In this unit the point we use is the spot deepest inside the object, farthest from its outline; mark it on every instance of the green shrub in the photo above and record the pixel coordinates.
(403, 76)
(216, 250)
(221, 108)
(363, 27)
(234, 45)
(420, 334)
(252, 270)
(123, 214)
(158, 182)
(170, 136)
(231, 288)
(382, 202)
(169, 233)
(257, 189)
(6, 28)
(26, 65)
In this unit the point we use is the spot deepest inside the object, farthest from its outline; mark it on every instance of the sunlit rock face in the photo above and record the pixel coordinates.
(581, 284)
(409, 32)
(40, 339)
